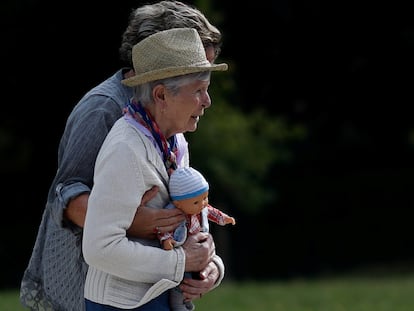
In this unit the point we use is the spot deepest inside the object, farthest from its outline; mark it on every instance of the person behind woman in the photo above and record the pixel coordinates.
(172, 76)
(55, 275)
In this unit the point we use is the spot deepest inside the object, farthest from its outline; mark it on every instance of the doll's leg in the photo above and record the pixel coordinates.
(177, 300)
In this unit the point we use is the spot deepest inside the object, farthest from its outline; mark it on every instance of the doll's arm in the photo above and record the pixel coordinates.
(167, 240)
(219, 217)
(175, 238)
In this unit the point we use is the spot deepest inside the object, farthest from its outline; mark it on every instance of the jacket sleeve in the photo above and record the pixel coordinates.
(85, 130)
(220, 265)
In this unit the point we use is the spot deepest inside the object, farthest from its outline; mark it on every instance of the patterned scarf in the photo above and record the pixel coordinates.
(168, 147)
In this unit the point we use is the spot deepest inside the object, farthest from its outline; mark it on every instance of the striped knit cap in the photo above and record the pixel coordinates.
(186, 182)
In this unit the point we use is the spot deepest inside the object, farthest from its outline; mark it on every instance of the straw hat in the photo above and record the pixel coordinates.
(169, 53)
(186, 182)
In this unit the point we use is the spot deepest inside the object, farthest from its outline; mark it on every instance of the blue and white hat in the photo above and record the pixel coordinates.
(186, 182)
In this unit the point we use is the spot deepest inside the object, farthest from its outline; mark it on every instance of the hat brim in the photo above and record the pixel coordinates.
(170, 72)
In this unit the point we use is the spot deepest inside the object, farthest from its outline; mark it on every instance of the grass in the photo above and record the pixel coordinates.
(335, 294)
(329, 294)
(9, 300)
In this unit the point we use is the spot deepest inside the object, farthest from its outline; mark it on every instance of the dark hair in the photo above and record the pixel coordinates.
(151, 18)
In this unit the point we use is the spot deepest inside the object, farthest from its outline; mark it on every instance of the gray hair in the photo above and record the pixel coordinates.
(151, 18)
(143, 92)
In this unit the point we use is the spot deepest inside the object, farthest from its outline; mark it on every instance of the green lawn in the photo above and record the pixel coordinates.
(9, 301)
(342, 294)
(330, 294)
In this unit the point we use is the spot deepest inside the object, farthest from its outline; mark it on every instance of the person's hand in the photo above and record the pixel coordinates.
(199, 249)
(150, 221)
(193, 288)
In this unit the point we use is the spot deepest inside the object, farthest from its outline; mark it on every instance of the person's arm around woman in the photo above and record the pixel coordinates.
(144, 224)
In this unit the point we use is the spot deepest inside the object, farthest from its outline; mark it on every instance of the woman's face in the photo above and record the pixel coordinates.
(185, 108)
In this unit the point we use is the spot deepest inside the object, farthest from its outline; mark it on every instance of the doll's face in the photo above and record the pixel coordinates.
(193, 205)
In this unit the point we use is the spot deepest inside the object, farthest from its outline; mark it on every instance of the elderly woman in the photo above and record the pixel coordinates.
(172, 76)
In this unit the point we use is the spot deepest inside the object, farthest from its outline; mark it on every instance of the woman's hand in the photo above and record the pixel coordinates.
(150, 221)
(199, 249)
(195, 288)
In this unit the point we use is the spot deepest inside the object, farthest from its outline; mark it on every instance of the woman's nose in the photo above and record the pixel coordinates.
(206, 101)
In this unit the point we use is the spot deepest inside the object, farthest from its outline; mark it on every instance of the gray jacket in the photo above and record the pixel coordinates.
(55, 276)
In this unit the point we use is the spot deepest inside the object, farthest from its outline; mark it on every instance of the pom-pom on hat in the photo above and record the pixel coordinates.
(169, 53)
(186, 182)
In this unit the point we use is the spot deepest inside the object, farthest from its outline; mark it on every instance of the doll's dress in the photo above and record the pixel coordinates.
(180, 233)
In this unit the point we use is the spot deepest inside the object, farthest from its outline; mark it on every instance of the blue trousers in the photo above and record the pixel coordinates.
(157, 304)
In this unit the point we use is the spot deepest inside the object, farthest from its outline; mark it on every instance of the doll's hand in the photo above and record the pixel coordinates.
(230, 220)
(168, 244)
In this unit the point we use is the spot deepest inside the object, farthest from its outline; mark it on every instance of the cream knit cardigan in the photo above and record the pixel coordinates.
(123, 272)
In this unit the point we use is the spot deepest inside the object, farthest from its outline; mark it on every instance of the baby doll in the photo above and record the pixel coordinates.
(189, 192)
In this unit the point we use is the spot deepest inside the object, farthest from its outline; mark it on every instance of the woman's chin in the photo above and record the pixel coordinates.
(191, 127)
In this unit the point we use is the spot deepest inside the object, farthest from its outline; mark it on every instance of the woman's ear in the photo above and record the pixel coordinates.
(158, 93)
(160, 97)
